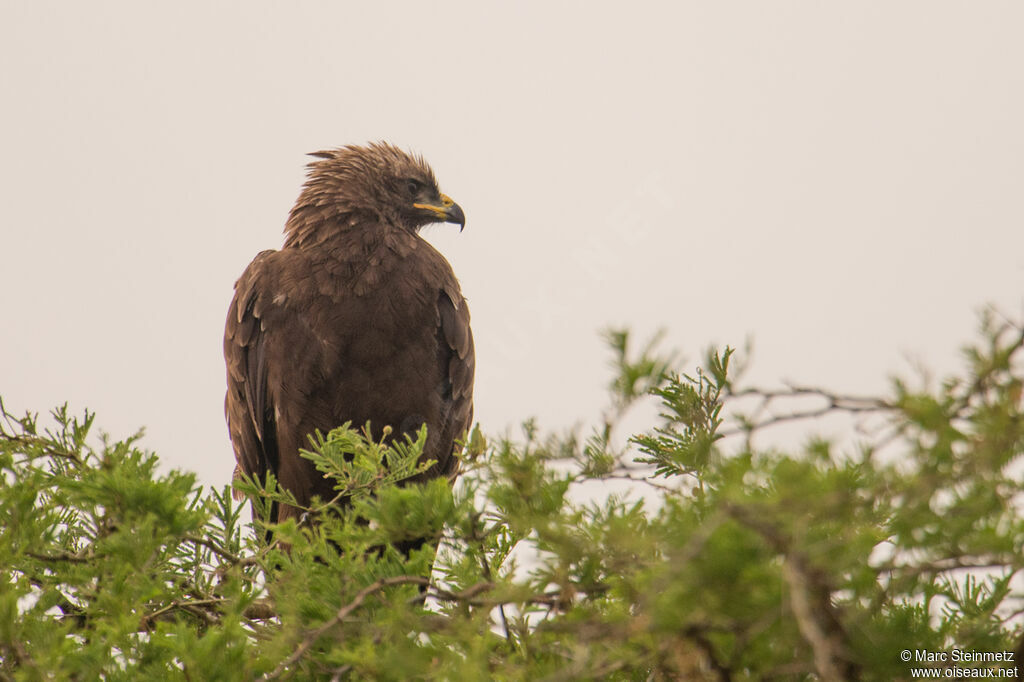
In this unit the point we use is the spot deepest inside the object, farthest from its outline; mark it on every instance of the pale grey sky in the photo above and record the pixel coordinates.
(844, 181)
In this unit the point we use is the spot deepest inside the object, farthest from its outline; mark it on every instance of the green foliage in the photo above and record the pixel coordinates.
(715, 559)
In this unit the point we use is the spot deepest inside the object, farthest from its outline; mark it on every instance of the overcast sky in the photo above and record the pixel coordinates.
(843, 181)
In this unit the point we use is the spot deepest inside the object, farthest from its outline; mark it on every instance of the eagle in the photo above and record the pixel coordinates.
(355, 319)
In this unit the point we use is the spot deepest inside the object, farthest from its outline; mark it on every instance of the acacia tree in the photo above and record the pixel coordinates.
(719, 559)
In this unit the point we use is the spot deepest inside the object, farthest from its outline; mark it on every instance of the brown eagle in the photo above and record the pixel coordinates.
(356, 318)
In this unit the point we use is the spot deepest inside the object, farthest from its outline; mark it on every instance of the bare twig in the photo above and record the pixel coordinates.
(625, 476)
(834, 402)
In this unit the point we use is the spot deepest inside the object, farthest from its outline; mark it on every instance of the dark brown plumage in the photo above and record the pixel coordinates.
(356, 318)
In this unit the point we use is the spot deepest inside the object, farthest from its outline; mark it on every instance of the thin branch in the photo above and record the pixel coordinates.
(945, 566)
(978, 385)
(311, 637)
(625, 476)
(792, 390)
(466, 595)
(215, 548)
(834, 402)
(501, 607)
(196, 607)
(80, 558)
(67, 608)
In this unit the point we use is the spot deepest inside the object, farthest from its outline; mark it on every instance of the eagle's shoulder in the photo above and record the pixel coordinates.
(433, 267)
(243, 313)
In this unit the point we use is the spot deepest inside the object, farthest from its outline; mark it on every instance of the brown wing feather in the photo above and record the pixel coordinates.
(456, 355)
(246, 406)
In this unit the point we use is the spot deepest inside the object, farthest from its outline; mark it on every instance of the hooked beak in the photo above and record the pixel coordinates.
(448, 211)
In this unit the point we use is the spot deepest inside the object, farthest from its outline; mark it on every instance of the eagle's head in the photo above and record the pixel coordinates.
(378, 182)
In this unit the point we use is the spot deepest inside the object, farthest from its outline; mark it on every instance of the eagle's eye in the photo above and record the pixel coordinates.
(413, 187)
